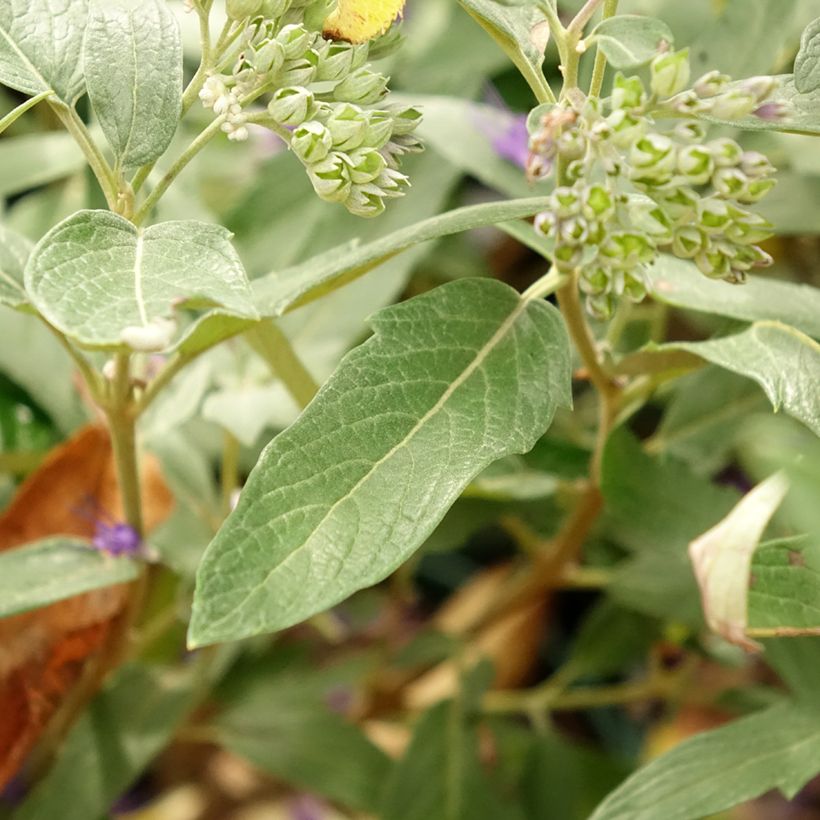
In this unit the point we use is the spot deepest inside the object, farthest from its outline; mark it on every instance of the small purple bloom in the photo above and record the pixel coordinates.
(513, 143)
(307, 807)
(117, 539)
(773, 111)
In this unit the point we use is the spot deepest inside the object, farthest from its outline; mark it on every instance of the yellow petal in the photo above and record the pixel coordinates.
(359, 20)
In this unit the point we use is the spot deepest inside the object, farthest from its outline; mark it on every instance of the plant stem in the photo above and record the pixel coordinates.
(229, 474)
(545, 285)
(599, 69)
(97, 162)
(268, 340)
(92, 378)
(176, 169)
(21, 109)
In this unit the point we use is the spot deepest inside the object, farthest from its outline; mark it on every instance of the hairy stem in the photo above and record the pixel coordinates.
(21, 109)
(229, 474)
(599, 69)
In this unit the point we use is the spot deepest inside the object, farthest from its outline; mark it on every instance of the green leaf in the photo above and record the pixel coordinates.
(285, 290)
(41, 44)
(104, 282)
(807, 62)
(440, 776)
(133, 70)
(451, 381)
(631, 40)
(521, 32)
(722, 558)
(782, 360)
(125, 727)
(14, 252)
(679, 283)
(285, 728)
(37, 159)
(47, 571)
(777, 748)
(784, 597)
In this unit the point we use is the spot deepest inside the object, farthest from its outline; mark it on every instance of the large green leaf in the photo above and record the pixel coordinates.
(37, 159)
(285, 727)
(807, 62)
(784, 596)
(41, 44)
(782, 360)
(451, 381)
(104, 282)
(47, 571)
(14, 252)
(679, 283)
(631, 40)
(284, 290)
(133, 70)
(520, 31)
(778, 748)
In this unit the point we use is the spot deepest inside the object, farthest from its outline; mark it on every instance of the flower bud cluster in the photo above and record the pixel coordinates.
(323, 99)
(640, 178)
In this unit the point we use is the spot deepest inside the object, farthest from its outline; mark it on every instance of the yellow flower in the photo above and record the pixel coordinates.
(359, 20)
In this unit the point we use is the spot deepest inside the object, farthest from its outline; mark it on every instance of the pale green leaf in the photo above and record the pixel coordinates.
(522, 33)
(285, 290)
(14, 252)
(104, 282)
(47, 571)
(784, 597)
(133, 70)
(713, 771)
(451, 381)
(782, 360)
(36, 159)
(722, 558)
(41, 44)
(631, 40)
(807, 62)
(679, 283)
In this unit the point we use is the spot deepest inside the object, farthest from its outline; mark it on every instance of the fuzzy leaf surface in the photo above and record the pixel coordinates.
(133, 70)
(450, 382)
(95, 275)
(631, 40)
(14, 252)
(807, 62)
(41, 46)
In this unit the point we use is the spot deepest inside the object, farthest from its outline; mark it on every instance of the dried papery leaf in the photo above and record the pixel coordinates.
(359, 20)
(43, 653)
(722, 558)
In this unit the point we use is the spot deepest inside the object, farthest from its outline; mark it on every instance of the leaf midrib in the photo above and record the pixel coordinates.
(468, 371)
(24, 57)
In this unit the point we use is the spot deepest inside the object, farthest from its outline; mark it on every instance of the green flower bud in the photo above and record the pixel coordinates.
(574, 231)
(291, 106)
(755, 190)
(295, 40)
(714, 262)
(670, 73)
(300, 71)
(750, 256)
(568, 256)
(653, 159)
(690, 132)
(391, 183)
(627, 92)
(695, 162)
(713, 215)
(634, 288)
(687, 242)
(331, 178)
(600, 306)
(379, 129)
(761, 88)
(625, 128)
(680, 204)
(335, 62)
(594, 280)
(730, 182)
(389, 43)
(366, 165)
(405, 119)
(242, 9)
(348, 126)
(571, 145)
(711, 84)
(627, 249)
(274, 9)
(546, 223)
(365, 201)
(732, 105)
(647, 217)
(598, 203)
(747, 228)
(361, 86)
(269, 58)
(566, 202)
(756, 165)
(317, 12)
(311, 142)
(726, 153)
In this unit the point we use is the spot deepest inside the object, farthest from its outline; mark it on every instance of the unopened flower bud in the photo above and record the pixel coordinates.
(405, 119)
(756, 165)
(726, 153)
(274, 9)
(748, 228)
(331, 178)
(670, 73)
(365, 164)
(295, 40)
(625, 128)
(301, 71)
(714, 263)
(755, 190)
(568, 256)
(627, 92)
(713, 215)
(311, 142)
(687, 242)
(317, 12)
(335, 62)
(772, 111)
(242, 9)
(653, 159)
(574, 231)
(291, 106)
(695, 162)
(361, 86)
(761, 88)
(730, 182)
(681, 204)
(594, 279)
(634, 288)
(598, 203)
(627, 249)
(365, 201)
(269, 58)
(690, 132)
(348, 126)
(566, 202)
(378, 130)
(711, 84)
(546, 223)
(733, 104)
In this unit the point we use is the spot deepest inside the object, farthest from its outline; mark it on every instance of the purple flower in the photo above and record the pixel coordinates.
(307, 807)
(111, 537)
(513, 142)
(773, 111)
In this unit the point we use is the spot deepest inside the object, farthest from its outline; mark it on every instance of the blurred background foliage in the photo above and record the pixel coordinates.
(463, 687)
